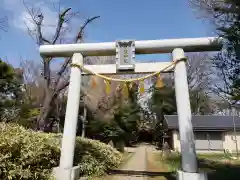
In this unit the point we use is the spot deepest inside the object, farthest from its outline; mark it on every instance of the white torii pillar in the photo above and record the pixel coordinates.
(66, 171)
(189, 166)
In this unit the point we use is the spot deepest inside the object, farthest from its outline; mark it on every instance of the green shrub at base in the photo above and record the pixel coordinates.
(25, 154)
(95, 157)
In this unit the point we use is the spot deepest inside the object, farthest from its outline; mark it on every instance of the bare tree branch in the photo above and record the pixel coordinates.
(3, 24)
(52, 88)
(199, 71)
(80, 33)
(77, 39)
(61, 20)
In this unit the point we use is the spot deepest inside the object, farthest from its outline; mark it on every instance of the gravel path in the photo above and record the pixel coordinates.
(135, 167)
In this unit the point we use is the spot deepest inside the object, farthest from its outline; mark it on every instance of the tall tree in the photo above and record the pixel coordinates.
(10, 90)
(53, 81)
(162, 102)
(125, 123)
(201, 103)
(225, 15)
(3, 23)
(199, 75)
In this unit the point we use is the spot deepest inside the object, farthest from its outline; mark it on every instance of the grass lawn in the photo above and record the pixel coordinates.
(217, 166)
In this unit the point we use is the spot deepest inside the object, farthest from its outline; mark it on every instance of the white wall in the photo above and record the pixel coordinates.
(228, 141)
(176, 141)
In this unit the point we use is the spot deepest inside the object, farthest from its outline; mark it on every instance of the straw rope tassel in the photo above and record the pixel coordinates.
(125, 90)
(159, 82)
(130, 85)
(141, 88)
(93, 82)
(108, 87)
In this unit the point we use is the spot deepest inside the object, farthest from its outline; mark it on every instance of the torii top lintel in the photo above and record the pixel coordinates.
(141, 47)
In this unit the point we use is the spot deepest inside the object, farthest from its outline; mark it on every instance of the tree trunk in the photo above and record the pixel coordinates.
(84, 121)
(43, 122)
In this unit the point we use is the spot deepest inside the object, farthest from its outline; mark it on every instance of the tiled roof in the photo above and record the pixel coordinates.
(206, 122)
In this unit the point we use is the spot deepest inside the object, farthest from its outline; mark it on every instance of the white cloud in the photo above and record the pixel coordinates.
(22, 20)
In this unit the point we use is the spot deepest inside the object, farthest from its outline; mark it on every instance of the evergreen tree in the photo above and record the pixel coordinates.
(125, 124)
(228, 61)
(10, 90)
(162, 102)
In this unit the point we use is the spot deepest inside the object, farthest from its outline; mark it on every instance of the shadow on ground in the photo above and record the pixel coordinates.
(220, 171)
(215, 169)
(167, 175)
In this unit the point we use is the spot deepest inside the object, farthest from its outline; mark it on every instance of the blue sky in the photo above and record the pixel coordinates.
(125, 19)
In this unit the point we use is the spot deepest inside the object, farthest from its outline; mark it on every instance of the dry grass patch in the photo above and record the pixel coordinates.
(156, 169)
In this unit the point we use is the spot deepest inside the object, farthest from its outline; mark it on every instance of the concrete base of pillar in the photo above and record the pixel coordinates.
(181, 175)
(66, 174)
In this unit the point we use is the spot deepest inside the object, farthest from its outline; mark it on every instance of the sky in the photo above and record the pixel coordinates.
(125, 19)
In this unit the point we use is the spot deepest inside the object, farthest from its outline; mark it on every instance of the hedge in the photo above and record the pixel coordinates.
(25, 154)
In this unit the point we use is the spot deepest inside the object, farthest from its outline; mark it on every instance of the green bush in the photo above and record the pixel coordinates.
(25, 154)
(95, 157)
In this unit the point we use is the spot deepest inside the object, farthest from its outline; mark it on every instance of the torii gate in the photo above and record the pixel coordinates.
(124, 64)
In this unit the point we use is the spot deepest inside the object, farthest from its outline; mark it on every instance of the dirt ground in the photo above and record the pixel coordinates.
(141, 166)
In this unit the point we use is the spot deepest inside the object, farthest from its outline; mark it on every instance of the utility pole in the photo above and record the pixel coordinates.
(84, 120)
(234, 130)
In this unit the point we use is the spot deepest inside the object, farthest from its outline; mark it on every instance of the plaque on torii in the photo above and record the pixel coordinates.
(125, 55)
